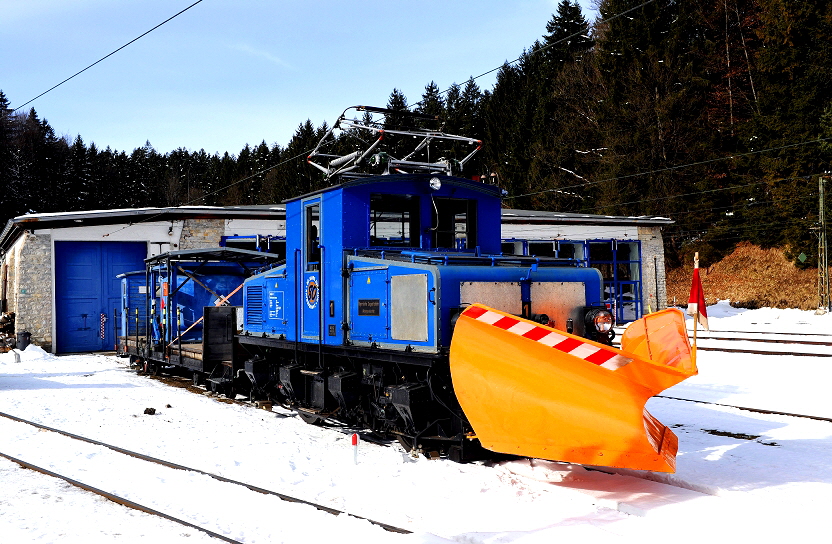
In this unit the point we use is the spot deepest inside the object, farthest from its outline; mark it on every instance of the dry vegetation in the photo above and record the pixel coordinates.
(750, 277)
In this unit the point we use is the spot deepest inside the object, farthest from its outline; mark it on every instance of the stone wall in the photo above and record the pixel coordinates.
(652, 269)
(30, 295)
(201, 233)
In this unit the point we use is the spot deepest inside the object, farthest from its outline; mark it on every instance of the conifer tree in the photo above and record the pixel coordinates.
(432, 104)
(80, 179)
(6, 142)
(567, 35)
(505, 137)
(393, 121)
(397, 102)
(793, 63)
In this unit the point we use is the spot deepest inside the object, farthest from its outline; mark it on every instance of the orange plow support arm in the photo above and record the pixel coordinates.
(535, 391)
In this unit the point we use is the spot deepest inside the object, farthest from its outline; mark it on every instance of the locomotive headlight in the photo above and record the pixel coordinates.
(435, 184)
(601, 319)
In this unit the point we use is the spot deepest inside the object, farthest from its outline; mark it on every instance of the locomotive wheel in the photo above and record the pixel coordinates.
(311, 419)
(230, 392)
(406, 442)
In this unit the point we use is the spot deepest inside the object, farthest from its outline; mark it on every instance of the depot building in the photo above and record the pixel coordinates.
(58, 270)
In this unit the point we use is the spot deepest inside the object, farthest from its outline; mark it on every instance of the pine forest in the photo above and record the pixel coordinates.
(714, 113)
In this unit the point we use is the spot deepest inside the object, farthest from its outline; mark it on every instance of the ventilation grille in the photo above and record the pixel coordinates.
(254, 305)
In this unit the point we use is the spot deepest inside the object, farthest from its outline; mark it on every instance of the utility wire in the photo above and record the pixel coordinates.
(695, 193)
(671, 168)
(109, 55)
(547, 46)
(516, 228)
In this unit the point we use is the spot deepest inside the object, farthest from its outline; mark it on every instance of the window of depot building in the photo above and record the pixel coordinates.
(266, 244)
(511, 247)
(394, 220)
(543, 249)
(620, 265)
(572, 250)
(454, 223)
(616, 260)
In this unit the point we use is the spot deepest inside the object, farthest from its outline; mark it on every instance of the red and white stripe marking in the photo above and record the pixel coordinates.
(591, 353)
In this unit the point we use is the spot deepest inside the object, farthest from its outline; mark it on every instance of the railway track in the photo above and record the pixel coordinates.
(187, 383)
(724, 337)
(115, 498)
(168, 464)
(747, 409)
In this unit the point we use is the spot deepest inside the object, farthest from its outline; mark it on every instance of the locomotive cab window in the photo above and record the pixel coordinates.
(312, 248)
(455, 223)
(394, 220)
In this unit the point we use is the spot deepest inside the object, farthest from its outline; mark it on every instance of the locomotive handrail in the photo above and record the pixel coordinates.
(321, 299)
(448, 257)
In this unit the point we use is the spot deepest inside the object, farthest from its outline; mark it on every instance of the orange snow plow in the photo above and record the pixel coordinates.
(535, 391)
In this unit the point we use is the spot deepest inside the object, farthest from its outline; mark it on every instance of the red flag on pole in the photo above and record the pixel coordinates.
(696, 302)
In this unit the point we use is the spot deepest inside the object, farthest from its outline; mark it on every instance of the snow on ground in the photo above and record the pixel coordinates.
(740, 474)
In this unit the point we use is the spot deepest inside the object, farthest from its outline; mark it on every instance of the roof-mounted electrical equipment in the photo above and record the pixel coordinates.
(369, 146)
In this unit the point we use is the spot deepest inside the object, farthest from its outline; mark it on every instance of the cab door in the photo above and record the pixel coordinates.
(310, 286)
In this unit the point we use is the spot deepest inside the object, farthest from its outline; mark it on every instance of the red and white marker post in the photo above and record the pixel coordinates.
(355, 447)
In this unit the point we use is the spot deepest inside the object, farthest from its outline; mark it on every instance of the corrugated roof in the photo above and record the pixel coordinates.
(559, 218)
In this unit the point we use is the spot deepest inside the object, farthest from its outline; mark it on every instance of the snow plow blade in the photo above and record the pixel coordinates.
(535, 391)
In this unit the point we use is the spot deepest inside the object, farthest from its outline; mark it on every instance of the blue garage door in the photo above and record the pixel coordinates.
(86, 288)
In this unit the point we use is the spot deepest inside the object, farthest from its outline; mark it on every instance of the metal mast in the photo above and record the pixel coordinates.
(823, 264)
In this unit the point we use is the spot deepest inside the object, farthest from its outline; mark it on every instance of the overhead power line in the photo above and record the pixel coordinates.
(108, 55)
(671, 168)
(571, 36)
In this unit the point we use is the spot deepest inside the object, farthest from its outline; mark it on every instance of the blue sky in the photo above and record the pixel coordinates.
(226, 73)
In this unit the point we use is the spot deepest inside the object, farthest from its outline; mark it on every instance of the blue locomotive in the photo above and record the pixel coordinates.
(356, 324)
(394, 310)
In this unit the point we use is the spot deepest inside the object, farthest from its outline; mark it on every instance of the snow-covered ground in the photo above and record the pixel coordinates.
(740, 474)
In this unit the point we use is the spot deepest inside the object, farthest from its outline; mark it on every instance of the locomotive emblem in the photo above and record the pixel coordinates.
(311, 292)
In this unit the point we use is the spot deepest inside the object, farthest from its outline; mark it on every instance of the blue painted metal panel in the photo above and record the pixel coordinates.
(265, 299)
(369, 302)
(86, 288)
(364, 293)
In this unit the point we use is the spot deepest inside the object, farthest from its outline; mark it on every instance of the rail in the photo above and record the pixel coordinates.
(217, 477)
